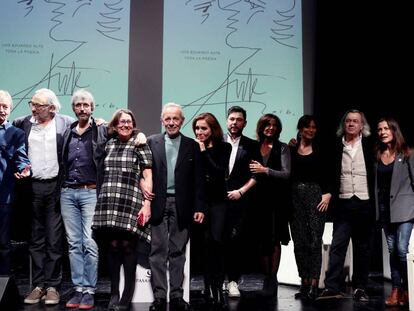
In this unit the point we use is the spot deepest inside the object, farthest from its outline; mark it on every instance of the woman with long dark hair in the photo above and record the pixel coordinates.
(394, 197)
(215, 155)
(311, 195)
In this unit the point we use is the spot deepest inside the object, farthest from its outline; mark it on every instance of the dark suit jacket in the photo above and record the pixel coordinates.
(189, 184)
(249, 150)
(99, 139)
(13, 158)
(62, 123)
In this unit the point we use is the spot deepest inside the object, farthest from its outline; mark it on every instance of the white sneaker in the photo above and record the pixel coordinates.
(233, 288)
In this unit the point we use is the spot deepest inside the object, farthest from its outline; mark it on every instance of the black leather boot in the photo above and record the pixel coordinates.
(219, 298)
(303, 292)
(207, 293)
(313, 292)
(270, 285)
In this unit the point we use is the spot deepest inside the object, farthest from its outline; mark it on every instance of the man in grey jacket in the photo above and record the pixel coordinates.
(44, 140)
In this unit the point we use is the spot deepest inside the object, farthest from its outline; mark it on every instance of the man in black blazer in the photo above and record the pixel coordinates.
(353, 210)
(240, 180)
(178, 200)
(44, 141)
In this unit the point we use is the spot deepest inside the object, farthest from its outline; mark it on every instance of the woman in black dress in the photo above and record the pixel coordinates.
(272, 196)
(215, 154)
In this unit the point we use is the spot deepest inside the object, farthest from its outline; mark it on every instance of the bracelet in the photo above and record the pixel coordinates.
(241, 193)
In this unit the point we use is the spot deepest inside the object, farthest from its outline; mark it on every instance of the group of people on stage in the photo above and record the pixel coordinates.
(108, 187)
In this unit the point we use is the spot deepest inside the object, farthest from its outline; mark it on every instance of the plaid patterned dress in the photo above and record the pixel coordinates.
(120, 198)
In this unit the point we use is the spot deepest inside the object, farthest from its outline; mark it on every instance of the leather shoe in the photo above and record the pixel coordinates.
(179, 304)
(159, 304)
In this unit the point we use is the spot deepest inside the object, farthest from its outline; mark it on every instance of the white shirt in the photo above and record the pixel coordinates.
(43, 150)
(234, 147)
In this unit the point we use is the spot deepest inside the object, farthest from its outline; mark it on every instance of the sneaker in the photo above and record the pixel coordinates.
(328, 294)
(52, 296)
(360, 295)
(233, 289)
(74, 302)
(87, 302)
(35, 296)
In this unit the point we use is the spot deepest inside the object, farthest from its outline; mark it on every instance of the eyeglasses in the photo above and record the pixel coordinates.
(36, 105)
(125, 122)
(82, 105)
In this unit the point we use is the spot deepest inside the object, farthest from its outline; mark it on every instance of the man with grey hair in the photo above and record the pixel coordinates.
(179, 200)
(13, 164)
(82, 173)
(44, 141)
(353, 213)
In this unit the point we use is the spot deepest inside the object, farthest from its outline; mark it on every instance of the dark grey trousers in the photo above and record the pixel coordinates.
(168, 245)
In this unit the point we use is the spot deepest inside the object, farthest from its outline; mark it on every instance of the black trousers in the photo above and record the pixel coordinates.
(5, 245)
(307, 227)
(47, 233)
(352, 220)
(234, 240)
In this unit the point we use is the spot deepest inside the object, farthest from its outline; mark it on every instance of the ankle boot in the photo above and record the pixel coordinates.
(403, 298)
(393, 298)
(113, 301)
(269, 286)
(303, 291)
(207, 293)
(313, 292)
(219, 299)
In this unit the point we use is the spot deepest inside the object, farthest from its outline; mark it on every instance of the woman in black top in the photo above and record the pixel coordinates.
(272, 197)
(310, 200)
(215, 154)
(394, 198)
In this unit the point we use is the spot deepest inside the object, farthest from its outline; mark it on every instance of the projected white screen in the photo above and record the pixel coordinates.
(216, 54)
(64, 46)
(227, 52)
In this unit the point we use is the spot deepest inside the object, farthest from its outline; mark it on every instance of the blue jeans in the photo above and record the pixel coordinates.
(398, 237)
(78, 208)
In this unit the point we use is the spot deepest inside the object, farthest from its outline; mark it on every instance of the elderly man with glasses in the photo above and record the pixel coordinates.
(44, 131)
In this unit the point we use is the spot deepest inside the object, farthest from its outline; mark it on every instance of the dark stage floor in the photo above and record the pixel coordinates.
(249, 302)
(249, 286)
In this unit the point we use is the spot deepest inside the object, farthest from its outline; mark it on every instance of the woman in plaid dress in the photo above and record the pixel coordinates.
(121, 204)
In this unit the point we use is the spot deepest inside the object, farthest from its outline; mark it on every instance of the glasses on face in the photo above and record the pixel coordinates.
(36, 105)
(125, 122)
(82, 105)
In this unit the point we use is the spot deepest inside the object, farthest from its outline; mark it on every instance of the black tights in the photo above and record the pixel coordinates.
(122, 251)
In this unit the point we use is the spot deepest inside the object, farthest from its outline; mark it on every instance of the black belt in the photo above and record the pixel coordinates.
(45, 180)
(170, 195)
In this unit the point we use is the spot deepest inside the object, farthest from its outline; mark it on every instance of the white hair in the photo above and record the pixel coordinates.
(6, 98)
